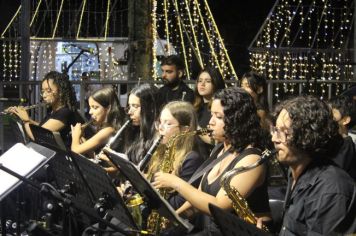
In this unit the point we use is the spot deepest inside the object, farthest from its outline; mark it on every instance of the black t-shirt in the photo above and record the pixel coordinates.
(346, 157)
(182, 93)
(204, 115)
(67, 117)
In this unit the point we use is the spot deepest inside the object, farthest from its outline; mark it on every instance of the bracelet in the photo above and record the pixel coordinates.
(26, 121)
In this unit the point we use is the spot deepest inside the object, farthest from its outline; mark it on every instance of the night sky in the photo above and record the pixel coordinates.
(238, 21)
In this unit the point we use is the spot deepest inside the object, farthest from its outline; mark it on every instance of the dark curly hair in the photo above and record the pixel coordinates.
(346, 106)
(108, 97)
(65, 90)
(242, 124)
(313, 130)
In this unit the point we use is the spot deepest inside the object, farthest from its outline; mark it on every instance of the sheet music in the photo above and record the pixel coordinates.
(142, 185)
(19, 159)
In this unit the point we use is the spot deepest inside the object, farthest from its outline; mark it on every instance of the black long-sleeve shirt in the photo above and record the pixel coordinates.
(323, 202)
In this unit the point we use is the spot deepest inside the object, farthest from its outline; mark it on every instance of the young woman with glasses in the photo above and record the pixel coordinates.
(58, 94)
(176, 118)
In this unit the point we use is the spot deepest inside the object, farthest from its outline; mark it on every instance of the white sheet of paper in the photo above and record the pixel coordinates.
(19, 159)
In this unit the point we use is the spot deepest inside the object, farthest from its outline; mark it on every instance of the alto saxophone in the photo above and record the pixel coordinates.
(239, 203)
(155, 222)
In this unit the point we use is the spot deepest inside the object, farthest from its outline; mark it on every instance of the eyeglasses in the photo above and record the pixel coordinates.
(47, 91)
(165, 126)
(133, 107)
(282, 135)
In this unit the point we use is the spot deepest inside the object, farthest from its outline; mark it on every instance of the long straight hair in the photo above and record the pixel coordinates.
(138, 143)
(107, 97)
(184, 113)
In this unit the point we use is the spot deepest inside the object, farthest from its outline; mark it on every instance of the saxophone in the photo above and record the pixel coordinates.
(155, 222)
(240, 204)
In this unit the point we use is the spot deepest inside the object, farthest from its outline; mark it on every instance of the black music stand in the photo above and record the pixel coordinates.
(26, 161)
(18, 129)
(47, 138)
(90, 188)
(231, 225)
(140, 183)
(102, 188)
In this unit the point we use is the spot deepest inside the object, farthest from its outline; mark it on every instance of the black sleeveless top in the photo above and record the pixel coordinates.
(257, 201)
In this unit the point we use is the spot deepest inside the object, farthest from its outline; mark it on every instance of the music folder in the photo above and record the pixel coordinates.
(21, 160)
(140, 183)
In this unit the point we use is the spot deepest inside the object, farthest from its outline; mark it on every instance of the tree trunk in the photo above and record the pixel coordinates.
(140, 39)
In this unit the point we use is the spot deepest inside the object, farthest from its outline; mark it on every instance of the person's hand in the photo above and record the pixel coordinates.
(165, 180)
(261, 222)
(76, 131)
(19, 112)
(111, 169)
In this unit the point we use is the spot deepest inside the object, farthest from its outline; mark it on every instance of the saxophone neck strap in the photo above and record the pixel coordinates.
(209, 163)
(212, 161)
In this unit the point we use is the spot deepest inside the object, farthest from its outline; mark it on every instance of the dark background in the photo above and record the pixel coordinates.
(238, 22)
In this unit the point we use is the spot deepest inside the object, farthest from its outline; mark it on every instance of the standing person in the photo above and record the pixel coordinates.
(59, 95)
(320, 198)
(174, 89)
(256, 86)
(209, 81)
(176, 118)
(343, 109)
(236, 128)
(107, 116)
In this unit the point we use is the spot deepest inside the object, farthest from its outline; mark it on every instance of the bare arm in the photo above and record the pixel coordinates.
(98, 139)
(200, 200)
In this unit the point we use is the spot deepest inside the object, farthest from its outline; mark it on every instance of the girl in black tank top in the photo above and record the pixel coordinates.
(235, 123)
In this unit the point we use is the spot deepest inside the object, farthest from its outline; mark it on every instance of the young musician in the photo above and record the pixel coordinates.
(107, 116)
(143, 108)
(235, 124)
(59, 95)
(177, 118)
(256, 86)
(320, 198)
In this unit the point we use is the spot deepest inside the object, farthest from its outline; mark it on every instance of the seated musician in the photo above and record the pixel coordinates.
(143, 109)
(59, 96)
(183, 155)
(107, 117)
(235, 124)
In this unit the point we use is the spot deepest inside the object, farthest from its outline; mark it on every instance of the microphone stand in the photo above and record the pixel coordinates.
(74, 60)
(65, 199)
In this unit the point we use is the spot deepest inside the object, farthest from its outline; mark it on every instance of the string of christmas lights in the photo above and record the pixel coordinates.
(305, 40)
